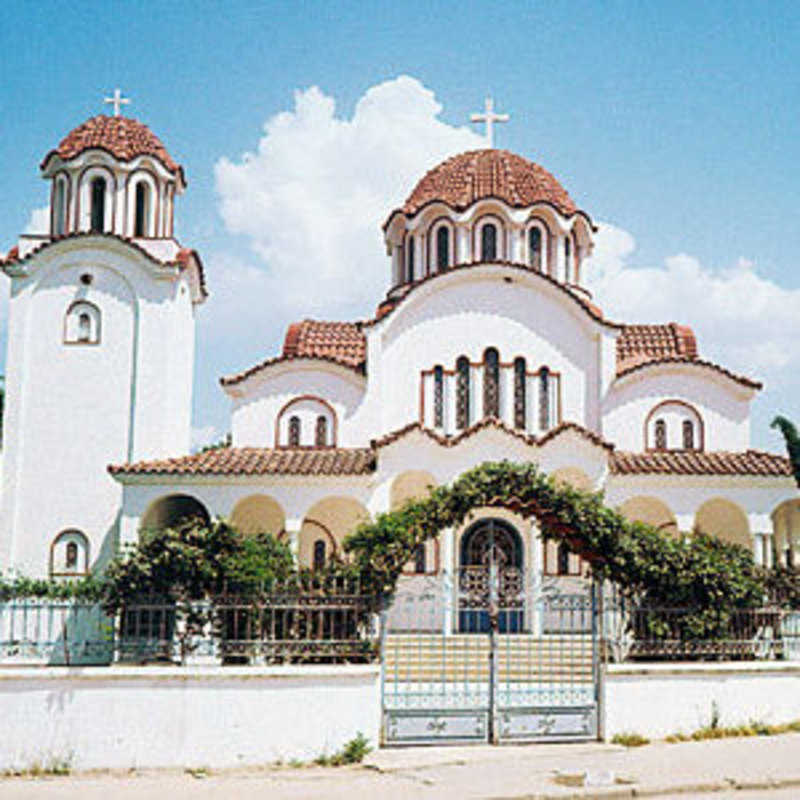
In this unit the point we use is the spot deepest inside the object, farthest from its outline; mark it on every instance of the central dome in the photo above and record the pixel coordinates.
(478, 174)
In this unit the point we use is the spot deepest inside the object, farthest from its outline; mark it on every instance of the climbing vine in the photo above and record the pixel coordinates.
(701, 571)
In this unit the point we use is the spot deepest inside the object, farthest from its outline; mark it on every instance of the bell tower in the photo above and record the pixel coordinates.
(100, 345)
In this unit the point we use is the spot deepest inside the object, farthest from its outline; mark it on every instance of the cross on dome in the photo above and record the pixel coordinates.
(489, 117)
(117, 100)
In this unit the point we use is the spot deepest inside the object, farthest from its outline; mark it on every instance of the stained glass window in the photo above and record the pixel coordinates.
(321, 432)
(462, 393)
(491, 383)
(544, 398)
(438, 397)
(688, 435)
(520, 376)
(661, 434)
(294, 431)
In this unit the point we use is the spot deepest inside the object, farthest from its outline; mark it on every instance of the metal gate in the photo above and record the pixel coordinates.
(483, 656)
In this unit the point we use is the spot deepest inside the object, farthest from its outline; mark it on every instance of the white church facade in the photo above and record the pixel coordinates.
(487, 346)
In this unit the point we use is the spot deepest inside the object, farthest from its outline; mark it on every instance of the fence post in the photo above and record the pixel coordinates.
(598, 653)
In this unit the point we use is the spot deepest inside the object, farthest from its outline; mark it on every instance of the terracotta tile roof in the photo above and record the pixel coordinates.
(640, 343)
(259, 461)
(341, 343)
(690, 462)
(182, 258)
(491, 422)
(461, 180)
(123, 137)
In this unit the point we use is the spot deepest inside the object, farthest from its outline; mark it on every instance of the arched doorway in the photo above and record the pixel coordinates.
(172, 509)
(491, 559)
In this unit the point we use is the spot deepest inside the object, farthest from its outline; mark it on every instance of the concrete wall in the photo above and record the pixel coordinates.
(174, 717)
(656, 700)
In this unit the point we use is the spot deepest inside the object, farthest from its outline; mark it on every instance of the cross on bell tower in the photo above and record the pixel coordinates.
(489, 117)
(117, 100)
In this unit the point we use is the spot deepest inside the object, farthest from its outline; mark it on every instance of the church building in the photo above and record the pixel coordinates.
(486, 346)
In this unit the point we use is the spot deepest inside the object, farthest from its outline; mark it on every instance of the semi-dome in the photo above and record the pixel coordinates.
(463, 179)
(122, 137)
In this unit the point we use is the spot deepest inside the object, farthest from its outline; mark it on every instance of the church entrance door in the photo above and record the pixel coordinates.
(490, 579)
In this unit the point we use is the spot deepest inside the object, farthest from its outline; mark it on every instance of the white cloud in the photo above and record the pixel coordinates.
(742, 320)
(39, 221)
(313, 197)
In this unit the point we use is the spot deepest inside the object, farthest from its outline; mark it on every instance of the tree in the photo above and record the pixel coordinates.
(792, 439)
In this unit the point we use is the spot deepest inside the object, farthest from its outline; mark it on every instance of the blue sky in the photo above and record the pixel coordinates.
(674, 122)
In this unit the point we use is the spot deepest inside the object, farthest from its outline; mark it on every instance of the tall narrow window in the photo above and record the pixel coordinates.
(688, 435)
(520, 377)
(60, 208)
(319, 554)
(84, 327)
(491, 383)
(140, 227)
(661, 434)
(535, 248)
(442, 247)
(544, 398)
(438, 397)
(321, 432)
(462, 393)
(98, 200)
(410, 258)
(563, 559)
(567, 261)
(294, 431)
(419, 558)
(489, 242)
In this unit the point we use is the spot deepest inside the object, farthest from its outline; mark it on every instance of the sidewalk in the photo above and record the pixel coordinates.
(529, 772)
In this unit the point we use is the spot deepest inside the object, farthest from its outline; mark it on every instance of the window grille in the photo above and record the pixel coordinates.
(438, 397)
(520, 375)
(688, 435)
(321, 433)
(491, 383)
(661, 434)
(462, 392)
(294, 431)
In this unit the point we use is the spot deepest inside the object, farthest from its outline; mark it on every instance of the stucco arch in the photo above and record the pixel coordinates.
(171, 509)
(573, 477)
(651, 511)
(330, 519)
(786, 530)
(725, 520)
(410, 485)
(258, 513)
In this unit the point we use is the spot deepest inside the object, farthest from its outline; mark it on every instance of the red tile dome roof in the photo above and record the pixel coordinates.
(465, 178)
(123, 137)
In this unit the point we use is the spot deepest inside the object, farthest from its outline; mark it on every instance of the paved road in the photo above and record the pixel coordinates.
(474, 773)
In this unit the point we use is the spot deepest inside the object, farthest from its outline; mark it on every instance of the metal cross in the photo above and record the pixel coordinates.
(117, 100)
(489, 117)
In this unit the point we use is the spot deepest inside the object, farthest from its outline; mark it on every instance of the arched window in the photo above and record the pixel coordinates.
(142, 219)
(60, 208)
(535, 248)
(544, 398)
(69, 554)
(410, 258)
(520, 376)
(462, 392)
(688, 435)
(319, 554)
(661, 434)
(491, 382)
(294, 431)
(567, 260)
(442, 247)
(489, 242)
(562, 567)
(98, 205)
(419, 558)
(321, 431)
(82, 323)
(438, 397)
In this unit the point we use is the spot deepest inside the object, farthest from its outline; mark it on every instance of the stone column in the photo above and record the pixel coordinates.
(533, 581)
(449, 585)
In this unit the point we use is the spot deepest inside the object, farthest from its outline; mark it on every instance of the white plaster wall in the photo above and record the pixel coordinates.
(723, 405)
(183, 716)
(258, 401)
(656, 700)
(73, 409)
(463, 313)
